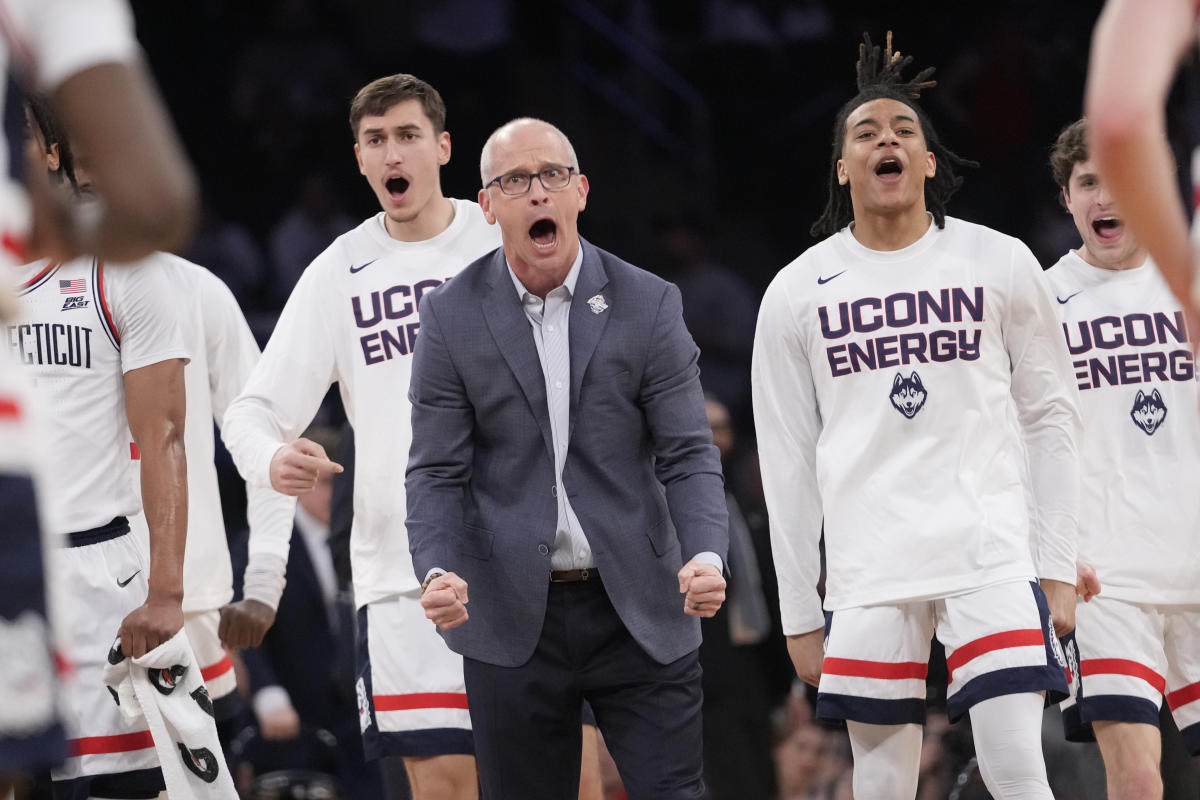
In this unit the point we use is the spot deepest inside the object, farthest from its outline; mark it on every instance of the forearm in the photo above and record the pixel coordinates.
(165, 501)
(148, 187)
(270, 515)
(1136, 50)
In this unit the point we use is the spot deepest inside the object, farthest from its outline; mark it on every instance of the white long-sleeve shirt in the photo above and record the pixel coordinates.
(223, 355)
(352, 319)
(891, 392)
(1140, 517)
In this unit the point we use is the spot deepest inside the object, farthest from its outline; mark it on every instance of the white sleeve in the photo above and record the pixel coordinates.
(788, 424)
(1047, 403)
(232, 356)
(287, 385)
(65, 37)
(143, 307)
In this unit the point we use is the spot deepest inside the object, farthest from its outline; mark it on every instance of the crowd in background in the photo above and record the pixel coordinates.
(709, 123)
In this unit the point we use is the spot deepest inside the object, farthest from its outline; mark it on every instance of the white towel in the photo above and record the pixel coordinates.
(165, 688)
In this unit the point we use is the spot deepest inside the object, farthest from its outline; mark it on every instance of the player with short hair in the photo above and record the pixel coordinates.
(1140, 517)
(898, 365)
(353, 319)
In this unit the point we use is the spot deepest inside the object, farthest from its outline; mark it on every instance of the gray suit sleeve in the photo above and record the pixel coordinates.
(686, 462)
(440, 457)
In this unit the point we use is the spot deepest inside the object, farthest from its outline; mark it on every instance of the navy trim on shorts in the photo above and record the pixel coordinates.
(423, 742)
(1074, 728)
(140, 784)
(1191, 738)
(118, 527)
(837, 707)
(1049, 678)
(1118, 708)
(47, 748)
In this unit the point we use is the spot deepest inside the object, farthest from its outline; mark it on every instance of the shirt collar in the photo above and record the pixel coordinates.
(569, 282)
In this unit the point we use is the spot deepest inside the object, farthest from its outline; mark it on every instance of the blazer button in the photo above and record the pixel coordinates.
(554, 490)
(543, 549)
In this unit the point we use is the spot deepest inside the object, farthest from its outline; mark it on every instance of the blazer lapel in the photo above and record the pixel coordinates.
(589, 316)
(510, 329)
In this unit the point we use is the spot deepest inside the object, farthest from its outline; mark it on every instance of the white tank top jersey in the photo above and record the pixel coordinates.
(352, 319)
(223, 354)
(1140, 518)
(42, 43)
(82, 326)
(892, 395)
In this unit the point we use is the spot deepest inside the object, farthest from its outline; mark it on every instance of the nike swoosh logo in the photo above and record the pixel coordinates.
(124, 583)
(354, 269)
(821, 280)
(1063, 300)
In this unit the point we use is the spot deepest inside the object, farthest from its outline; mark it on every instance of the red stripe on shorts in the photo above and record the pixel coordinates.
(997, 641)
(216, 670)
(1181, 697)
(408, 702)
(1123, 666)
(9, 408)
(884, 670)
(121, 743)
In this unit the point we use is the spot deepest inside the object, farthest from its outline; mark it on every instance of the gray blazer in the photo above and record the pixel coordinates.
(641, 470)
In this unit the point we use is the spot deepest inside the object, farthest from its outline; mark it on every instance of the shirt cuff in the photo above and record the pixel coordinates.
(270, 699)
(709, 557)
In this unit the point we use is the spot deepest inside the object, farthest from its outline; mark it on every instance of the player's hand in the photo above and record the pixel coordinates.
(1061, 599)
(280, 723)
(1087, 583)
(245, 623)
(807, 651)
(703, 588)
(445, 601)
(149, 625)
(295, 466)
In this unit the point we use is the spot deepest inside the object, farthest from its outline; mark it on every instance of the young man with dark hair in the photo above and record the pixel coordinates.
(1140, 514)
(893, 362)
(108, 355)
(352, 319)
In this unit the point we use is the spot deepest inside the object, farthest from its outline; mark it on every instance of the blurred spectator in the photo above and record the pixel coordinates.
(305, 230)
(231, 252)
(720, 310)
(740, 644)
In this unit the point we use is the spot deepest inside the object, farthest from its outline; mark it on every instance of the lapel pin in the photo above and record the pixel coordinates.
(597, 304)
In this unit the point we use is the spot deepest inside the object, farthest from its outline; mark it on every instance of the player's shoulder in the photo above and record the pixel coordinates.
(982, 241)
(361, 243)
(807, 267)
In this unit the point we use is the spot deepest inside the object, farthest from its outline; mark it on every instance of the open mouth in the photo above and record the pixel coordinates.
(396, 186)
(889, 166)
(544, 233)
(1108, 229)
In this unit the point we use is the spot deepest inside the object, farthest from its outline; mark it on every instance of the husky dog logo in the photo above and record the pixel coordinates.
(165, 678)
(908, 394)
(200, 761)
(1148, 411)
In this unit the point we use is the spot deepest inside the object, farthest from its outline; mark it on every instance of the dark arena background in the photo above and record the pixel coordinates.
(704, 127)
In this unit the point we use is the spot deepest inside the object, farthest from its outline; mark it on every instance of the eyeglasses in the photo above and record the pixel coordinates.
(518, 183)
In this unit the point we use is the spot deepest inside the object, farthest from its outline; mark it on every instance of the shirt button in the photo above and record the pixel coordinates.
(558, 384)
(550, 328)
(543, 549)
(582, 553)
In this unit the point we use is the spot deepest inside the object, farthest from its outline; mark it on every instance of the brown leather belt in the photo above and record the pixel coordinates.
(574, 575)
